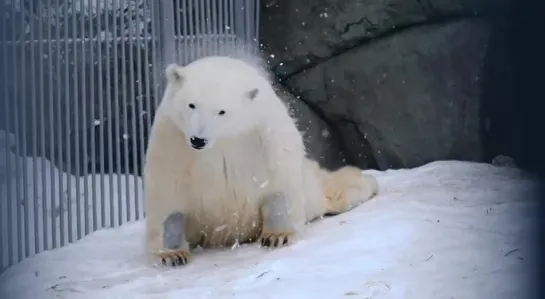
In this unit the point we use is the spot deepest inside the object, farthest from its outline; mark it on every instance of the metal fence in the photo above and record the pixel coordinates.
(80, 82)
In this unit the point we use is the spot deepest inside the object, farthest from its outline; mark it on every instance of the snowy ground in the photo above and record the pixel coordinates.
(443, 230)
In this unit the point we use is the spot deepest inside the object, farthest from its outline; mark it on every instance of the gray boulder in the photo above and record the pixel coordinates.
(409, 98)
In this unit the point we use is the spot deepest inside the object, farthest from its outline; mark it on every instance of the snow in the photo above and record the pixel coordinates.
(444, 230)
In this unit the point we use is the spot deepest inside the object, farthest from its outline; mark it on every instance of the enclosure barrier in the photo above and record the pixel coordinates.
(80, 82)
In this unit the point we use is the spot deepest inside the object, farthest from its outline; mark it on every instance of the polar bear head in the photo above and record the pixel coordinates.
(216, 97)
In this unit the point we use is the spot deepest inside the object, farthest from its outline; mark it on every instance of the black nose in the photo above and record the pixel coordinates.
(197, 143)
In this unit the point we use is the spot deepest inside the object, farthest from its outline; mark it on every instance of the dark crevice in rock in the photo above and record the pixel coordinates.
(362, 146)
(335, 134)
(341, 140)
(436, 20)
(361, 21)
(373, 163)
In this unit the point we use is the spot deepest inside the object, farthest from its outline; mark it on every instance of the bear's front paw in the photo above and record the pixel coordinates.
(174, 257)
(275, 239)
(175, 249)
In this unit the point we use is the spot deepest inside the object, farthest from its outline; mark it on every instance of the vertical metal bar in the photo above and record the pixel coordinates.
(25, 131)
(4, 86)
(67, 126)
(59, 115)
(200, 28)
(23, 134)
(184, 32)
(209, 36)
(133, 95)
(167, 33)
(11, 233)
(177, 36)
(4, 233)
(201, 37)
(3, 226)
(238, 19)
(157, 41)
(77, 96)
(43, 121)
(257, 12)
(247, 22)
(18, 96)
(181, 12)
(84, 126)
(139, 100)
(108, 43)
(147, 99)
(225, 17)
(100, 78)
(215, 15)
(18, 99)
(221, 21)
(52, 129)
(232, 25)
(205, 15)
(191, 28)
(116, 59)
(34, 128)
(126, 44)
(93, 117)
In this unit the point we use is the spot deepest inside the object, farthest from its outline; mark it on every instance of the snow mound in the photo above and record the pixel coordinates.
(444, 230)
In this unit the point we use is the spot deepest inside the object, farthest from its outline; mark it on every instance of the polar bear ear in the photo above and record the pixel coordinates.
(174, 74)
(252, 94)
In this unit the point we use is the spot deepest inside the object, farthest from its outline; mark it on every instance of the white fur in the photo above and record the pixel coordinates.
(254, 149)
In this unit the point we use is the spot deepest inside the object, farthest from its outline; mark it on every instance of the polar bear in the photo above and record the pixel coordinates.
(226, 164)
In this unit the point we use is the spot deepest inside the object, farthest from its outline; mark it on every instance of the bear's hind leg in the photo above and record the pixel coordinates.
(348, 189)
(173, 243)
(277, 227)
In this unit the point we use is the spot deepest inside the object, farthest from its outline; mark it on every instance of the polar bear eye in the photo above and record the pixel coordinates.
(191, 106)
(222, 112)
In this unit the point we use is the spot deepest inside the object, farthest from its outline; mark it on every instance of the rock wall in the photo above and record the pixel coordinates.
(398, 82)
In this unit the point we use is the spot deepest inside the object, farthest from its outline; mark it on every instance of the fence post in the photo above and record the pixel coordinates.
(164, 17)
(238, 22)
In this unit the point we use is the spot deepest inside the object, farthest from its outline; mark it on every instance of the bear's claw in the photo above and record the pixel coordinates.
(275, 239)
(175, 257)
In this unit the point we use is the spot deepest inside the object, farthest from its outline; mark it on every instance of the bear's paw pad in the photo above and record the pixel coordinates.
(174, 257)
(275, 239)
